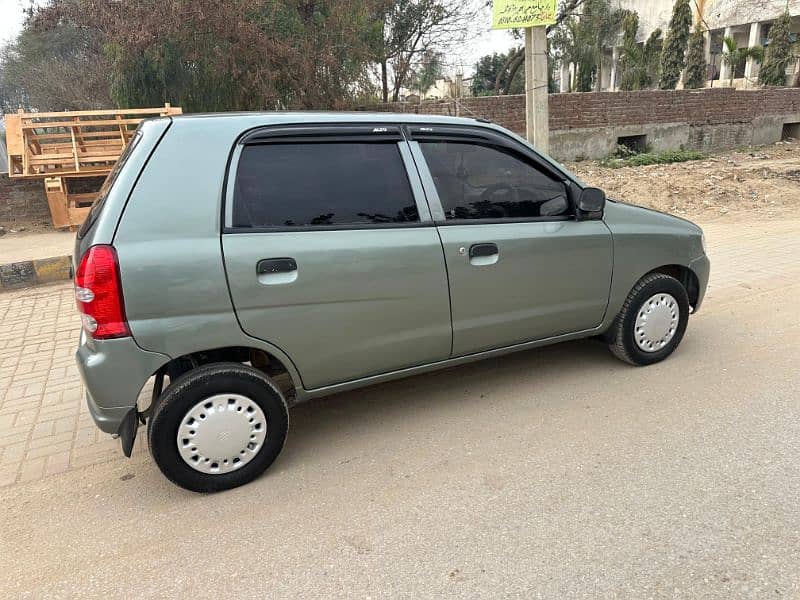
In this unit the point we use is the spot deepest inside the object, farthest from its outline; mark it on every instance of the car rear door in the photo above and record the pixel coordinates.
(521, 266)
(331, 252)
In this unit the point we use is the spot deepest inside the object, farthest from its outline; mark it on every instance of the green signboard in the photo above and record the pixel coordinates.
(510, 14)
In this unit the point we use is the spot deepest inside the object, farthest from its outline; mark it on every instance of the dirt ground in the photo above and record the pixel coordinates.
(762, 183)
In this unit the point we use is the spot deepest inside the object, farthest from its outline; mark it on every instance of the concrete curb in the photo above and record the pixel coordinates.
(28, 273)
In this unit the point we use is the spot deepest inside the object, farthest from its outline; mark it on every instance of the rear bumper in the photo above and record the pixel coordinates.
(107, 419)
(114, 372)
(701, 267)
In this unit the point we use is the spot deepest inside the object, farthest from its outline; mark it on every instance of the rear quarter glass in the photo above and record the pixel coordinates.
(101, 223)
(97, 206)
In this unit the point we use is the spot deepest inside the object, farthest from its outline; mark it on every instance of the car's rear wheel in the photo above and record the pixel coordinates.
(652, 321)
(218, 427)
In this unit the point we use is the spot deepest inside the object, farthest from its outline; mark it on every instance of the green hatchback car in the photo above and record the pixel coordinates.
(248, 262)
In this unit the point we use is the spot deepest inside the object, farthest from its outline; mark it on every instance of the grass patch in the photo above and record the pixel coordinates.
(652, 158)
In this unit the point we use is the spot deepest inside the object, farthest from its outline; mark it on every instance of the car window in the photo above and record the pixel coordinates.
(476, 181)
(108, 183)
(322, 184)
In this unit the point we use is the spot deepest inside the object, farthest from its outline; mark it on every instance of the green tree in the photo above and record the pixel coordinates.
(411, 28)
(673, 56)
(779, 52)
(486, 74)
(603, 26)
(508, 74)
(212, 54)
(630, 52)
(572, 47)
(696, 60)
(735, 57)
(638, 66)
(431, 67)
(59, 68)
(581, 41)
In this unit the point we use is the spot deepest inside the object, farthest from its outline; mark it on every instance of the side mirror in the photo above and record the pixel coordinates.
(592, 200)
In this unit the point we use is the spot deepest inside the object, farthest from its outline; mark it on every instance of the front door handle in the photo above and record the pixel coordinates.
(276, 265)
(478, 250)
(271, 271)
(481, 255)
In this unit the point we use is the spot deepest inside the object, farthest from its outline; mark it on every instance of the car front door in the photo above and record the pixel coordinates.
(331, 252)
(521, 266)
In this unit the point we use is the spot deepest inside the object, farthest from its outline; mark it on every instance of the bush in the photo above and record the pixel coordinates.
(623, 151)
(650, 158)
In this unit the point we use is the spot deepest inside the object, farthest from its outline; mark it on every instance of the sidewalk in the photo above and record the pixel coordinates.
(36, 258)
(18, 247)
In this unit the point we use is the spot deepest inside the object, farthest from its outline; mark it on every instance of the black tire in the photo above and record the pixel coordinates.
(621, 335)
(199, 384)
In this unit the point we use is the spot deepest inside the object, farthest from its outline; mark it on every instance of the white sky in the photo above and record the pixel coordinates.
(10, 19)
(486, 42)
(460, 59)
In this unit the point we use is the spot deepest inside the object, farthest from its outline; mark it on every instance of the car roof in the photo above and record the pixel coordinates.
(280, 117)
(237, 122)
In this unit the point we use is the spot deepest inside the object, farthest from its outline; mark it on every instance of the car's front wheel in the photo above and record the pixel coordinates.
(652, 321)
(218, 427)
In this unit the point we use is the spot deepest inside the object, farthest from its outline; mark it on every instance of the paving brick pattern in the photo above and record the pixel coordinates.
(45, 427)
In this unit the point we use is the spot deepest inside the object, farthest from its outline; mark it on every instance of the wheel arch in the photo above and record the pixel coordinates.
(622, 286)
(279, 368)
(685, 275)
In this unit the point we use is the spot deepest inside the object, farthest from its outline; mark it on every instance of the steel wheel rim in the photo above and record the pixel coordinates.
(656, 322)
(221, 433)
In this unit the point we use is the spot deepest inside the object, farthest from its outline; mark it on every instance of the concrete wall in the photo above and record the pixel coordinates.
(598, 143)
(724, 13)
(588, 125)
(653, 14)
(718, 14)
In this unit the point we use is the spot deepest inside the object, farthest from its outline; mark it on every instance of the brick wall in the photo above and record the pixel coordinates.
(609, 109)
(694, 107)
(22, 201)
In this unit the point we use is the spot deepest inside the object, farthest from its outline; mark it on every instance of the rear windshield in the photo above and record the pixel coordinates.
(97, 206)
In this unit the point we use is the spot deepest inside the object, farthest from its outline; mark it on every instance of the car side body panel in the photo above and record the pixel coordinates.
(103, 229)
(550, 278)
(645, 240)
(362, 302)
(168, 243)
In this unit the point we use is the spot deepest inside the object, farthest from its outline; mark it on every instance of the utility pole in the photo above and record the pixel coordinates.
(533, 16)
(537, 109)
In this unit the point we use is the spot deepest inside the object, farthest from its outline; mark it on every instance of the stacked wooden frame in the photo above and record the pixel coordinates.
(67, 147)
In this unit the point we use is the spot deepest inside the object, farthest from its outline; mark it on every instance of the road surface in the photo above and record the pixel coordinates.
(554, 473)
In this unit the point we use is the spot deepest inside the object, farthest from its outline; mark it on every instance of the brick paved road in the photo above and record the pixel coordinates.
(45, 427)
(44, 424)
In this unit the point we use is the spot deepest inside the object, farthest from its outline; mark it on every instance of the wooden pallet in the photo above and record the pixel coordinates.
(57, 146)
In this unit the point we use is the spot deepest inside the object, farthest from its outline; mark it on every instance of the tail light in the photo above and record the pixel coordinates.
(98, 294)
